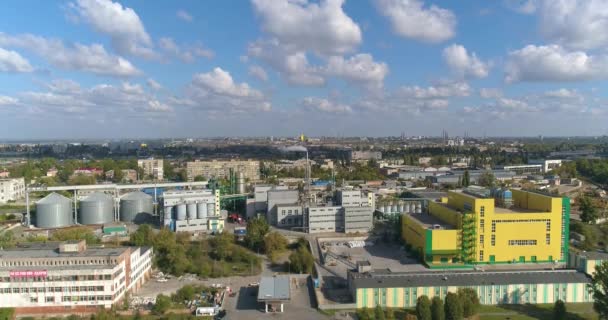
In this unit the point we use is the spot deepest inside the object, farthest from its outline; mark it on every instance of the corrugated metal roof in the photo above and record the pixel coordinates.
(54, 198)
(274, 288)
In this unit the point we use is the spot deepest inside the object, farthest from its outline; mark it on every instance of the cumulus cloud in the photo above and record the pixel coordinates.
(12, 61)
(523, 6)
(258, 73)
(489, 93)
(153, 84)
(554, 63)
(88, 58)
(464, 64)
(324, 105)
(184, 15)
(303, 25)
(186, 53)
(411, 19)
(576, 24)
(216, 90)
(441, 91)
(126, 30)
(8, 101)
(360, 68)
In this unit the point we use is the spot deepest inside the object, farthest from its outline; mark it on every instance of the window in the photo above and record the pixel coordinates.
(481, 239)
(482, 211)
(522, 242)
(548, 240)
(493, 226)
(482, 224)
(288, 211)
(480, 255)
(493, 240)
(50, 299)
(548, 226)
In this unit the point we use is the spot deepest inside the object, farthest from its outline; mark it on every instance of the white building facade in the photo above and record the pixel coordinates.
(12, 189)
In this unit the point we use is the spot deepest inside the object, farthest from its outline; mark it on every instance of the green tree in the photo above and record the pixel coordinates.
(7, 239)
(487, 179)
(588, 211)
(390, 314)
(7, 313)
(559, 310)
(378, 313)
(599, 288)
(301, 260)
(186, 292)
(423, 308)
(162, 305)
(453, 307)
(466, 178)
(469, 300)
(168, 171)
(437, 311)
(144, 236)
(364, 314)
(81, 179)
(274, 241)
(222, 245)
(256, 231)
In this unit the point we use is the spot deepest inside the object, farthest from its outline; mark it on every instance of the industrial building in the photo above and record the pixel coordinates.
(12, 189)
(547, 164)
(278, 197)
(454, 177)
(523, 169)
(364, 155)
(274, 292)
(152, 168)
(69, 277)
(401, 290)
(192, 211)
(325, 219)
(586, 261)
(221, 169)
(480, 226)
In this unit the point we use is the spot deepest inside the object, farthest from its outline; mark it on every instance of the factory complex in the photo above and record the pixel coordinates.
(69, 277)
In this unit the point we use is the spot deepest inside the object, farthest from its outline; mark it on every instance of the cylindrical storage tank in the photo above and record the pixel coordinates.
(136, 207)
(180, 212)
(419, 208)
(169, 214)
(201, 210)
(191, 208)
(408, 208)
(97, 208)
(401, 207)
(54, 211)
(240, 183)
(211, 209)
(167, 222)
(395, 208)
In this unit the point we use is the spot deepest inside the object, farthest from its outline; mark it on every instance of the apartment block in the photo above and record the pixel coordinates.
(152, 168)
(12, 189)
(221, 169)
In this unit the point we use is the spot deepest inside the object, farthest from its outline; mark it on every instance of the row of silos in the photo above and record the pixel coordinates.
(400, 207)
(189, 211)
(55, 210)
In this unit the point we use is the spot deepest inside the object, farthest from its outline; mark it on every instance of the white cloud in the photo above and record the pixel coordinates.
(323, 28)
(89, 58)
(216, 91)
(8, 101)
(153, 84)
(554, 63)
(563, 94)
(184, 15)
(360, 68)
(183, 52)
(441, 91)
(12, 61)
(122, 24)
(292, 66)
(490, 93)
(411, 19)
(324, 105)
(464, 64)
(578, 24)
(523, 6)
(258, 73)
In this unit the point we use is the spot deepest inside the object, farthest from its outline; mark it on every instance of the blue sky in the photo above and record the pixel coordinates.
(133, 68)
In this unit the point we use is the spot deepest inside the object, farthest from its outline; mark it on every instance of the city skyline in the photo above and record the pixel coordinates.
(93, 69)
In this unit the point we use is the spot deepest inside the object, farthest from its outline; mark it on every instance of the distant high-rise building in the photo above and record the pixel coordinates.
(152, 168)
(221, 169)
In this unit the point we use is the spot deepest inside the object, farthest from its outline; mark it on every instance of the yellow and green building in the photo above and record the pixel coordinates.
(480, 226)
(401, 290)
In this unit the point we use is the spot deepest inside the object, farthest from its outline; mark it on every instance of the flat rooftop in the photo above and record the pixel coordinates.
(465, 278)
(429, 221)
(500, 210)
(51, 250)
(274, 288)
(594, 255)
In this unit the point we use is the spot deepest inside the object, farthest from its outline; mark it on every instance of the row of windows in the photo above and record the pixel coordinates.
(56, 263)
(85, 298)
(91, 277)
(51, 289)
(522, 242)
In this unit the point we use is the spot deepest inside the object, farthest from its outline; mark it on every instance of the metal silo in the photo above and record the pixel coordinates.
(54, 211)
(211, 209)
(395, 208)
(191, 209)
(97, 208)
(180, 213)
(408, 208)
(201, 210)
(401, 207)
(240, 183)
(136, 207)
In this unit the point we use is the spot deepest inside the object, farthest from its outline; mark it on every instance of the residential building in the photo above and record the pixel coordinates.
(4, 174)
(221, 169)
(12, 189)
(476, 226)
(128, 175)
(401, 290)
(50, 278)
(365, 155)
(52, 172)
(152, 168)
(89, 172)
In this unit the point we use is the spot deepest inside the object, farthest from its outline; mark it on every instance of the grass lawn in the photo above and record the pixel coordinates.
(576, 311)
